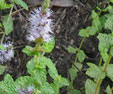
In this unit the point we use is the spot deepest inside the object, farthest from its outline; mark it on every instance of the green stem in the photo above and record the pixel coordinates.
(100, 62)
(81, 43)
(7, 24)
(105, 68)
(107, 63)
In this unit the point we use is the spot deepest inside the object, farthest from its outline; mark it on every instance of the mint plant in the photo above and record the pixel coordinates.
(6, 49)
(39, 66)
(101, 20)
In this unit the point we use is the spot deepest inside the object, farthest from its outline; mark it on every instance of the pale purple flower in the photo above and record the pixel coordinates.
(6, 55)
(40, 25)
(28, 90)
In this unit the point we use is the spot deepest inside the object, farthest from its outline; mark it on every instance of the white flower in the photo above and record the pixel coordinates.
(40, 25)
(6, 55)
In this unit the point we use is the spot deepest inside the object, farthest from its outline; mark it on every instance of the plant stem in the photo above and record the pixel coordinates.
(107, 63)
(81, 43)
(100, 62)
(105, 68)
(98, 86)
(7, 24)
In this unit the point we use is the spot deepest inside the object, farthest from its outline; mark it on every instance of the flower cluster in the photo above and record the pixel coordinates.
(7, 53)
(40, 25)
(28, 90)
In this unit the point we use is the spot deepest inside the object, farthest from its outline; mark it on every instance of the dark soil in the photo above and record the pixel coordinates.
(68, 22)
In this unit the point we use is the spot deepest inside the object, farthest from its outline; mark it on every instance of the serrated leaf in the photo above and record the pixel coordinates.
(71, 49)
(47, 89)
(23, 81)
(2, 69)
(21, 3)
(105, 41)
(95, 72)
(110, 71)
(108, 90)
(8, 24)
(81, 56)
(90, 87)
(109, 23)
(8, 85)
(73, 73)
(48, 46)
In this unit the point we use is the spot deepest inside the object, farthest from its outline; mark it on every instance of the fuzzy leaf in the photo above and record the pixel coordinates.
(21, 3)
(90, 87)
(95, 72)
(8, 85)
(2, 69)
(8, 24)
(71, 49)
(110, 71)
(48, 47)
(109, 23)
(81, 56)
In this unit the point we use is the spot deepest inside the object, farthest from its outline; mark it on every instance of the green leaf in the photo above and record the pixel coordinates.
(36, 67)
(74, 91)
(24, 81)
(2, 47)
(96, 21)
(28, 50)
(48, 46)
(21, 3)
(81, 56)
(95, 72)
(111, 50)
(111, 1)
(47, 89)
(71, 49)
(4, 5)
(8, 24)
(52, 69)
(61, 81)
(8, 85)
(109, 23)
(73, 73)
(2, 69)
(84, 32)
(78, 67)
(90, 87)
(105, 41)
(110, 71)
(108, 90)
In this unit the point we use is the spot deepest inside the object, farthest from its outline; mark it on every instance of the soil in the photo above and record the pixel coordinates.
(68, 22)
